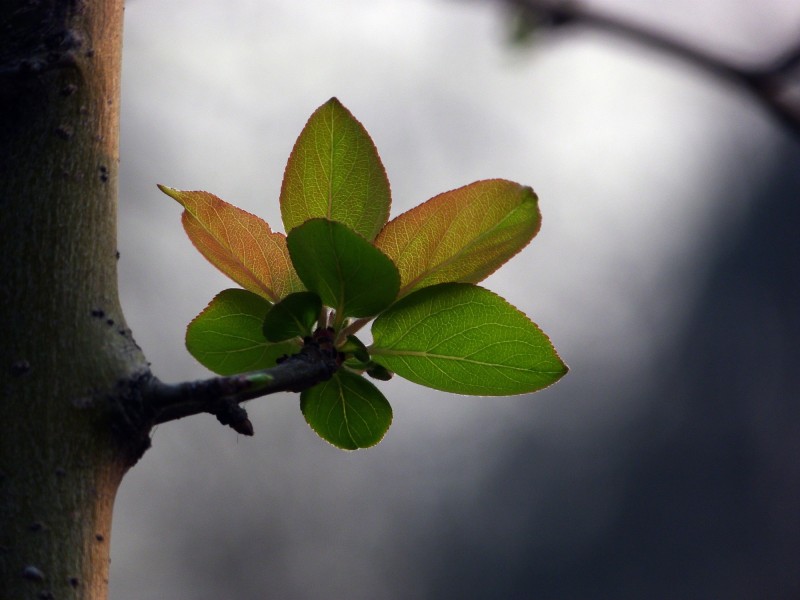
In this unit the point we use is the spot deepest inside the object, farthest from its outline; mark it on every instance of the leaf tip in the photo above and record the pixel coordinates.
(171, 192)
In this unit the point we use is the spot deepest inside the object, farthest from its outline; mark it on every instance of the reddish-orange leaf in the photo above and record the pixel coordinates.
(239, 244)
(461, 235)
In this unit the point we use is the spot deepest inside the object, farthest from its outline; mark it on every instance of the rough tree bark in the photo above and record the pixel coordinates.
(66, 351)
(78, 399)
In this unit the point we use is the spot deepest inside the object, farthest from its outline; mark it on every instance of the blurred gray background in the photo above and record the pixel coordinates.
(667, 273)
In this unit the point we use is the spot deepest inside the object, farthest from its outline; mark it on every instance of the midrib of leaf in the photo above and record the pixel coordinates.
(237, 337)
(287, 264)
(345, 416)
(270, 292)
(431, 355)
(340, 278)
(330, 169)
(353, 410)
(343, 404)
(231, 352)
(339, 274)
(455, 257)
(403, 291)
(235, 259)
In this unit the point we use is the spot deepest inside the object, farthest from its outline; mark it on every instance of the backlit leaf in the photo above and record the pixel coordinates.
(293, 316)
(239, 244)
(461, 235)
(347, 410)
(348, 273)
(461, 338)
(355, 347)
(334, 172)
(227, 339)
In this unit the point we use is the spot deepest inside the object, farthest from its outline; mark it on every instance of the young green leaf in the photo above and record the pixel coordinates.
(461, 235)
(239, 244)
(347, 410)
(356, 347)
(293, 316)
(226, 337)
(334, 172)
(461, 338)
(348, 273)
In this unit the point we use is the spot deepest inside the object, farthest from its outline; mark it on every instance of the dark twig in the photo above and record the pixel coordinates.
(789, 61)
(316, 362)
(771, 85)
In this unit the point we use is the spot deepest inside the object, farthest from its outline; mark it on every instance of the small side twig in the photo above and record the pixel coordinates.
(317, 361)
(771, 85)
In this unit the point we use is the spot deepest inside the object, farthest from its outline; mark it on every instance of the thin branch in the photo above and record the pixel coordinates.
(316, 362)
(354, 327)
(771, 85)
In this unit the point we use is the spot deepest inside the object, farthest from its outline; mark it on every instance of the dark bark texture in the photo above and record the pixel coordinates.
(66, 354)
(77, 399)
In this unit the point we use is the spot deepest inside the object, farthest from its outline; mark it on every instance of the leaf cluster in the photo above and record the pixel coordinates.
(343, 263)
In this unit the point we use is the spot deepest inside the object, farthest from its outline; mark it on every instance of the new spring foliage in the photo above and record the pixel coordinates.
(344, 263)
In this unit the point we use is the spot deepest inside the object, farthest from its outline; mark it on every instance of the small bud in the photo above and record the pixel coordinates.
(380, 372)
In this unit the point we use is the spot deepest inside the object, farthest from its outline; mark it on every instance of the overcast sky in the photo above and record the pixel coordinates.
(627, 150)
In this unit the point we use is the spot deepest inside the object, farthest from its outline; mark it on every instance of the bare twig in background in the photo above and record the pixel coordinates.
(776, 86)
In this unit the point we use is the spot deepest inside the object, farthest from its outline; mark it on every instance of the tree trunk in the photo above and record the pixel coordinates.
(66, 356)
